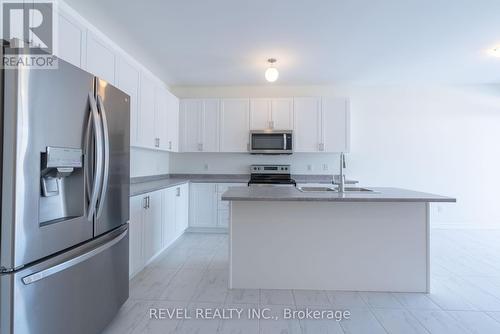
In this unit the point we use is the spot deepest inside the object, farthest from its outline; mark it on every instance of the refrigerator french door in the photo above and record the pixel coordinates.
(64, 201)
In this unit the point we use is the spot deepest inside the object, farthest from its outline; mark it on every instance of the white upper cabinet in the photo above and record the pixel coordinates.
(260, 114)
(234, 125)
(100, 58)
(282, 114)
(200, 125)
(190, 129)
(335, 131)
(271, 114)
(71, 40)
(307, 131)
(161, 118)
(146, 119)
(172, 137)
(127, 79)
(210, 125)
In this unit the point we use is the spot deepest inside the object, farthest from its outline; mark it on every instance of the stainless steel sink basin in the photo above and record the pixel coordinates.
(332, 189)
(357, 189)
(316, 189)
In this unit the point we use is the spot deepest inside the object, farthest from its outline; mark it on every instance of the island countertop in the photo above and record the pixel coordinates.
(279, 193)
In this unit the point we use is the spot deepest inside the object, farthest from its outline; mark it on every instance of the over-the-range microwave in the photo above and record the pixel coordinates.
(271, 142)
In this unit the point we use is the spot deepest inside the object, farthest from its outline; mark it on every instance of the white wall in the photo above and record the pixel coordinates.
(145, 162)
(443, 139)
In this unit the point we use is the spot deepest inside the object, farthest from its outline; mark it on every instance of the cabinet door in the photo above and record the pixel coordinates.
(234, 125)
(152, 226)
(181, 208)
(260, 114)
(282, 114)
(307, 129)
(169, 214)
(191, 111)
(202, 205)
(136, 258)
(100, 58)
(71, 40)
(172, 122)
(161, 118)
(223, 206)
(210, 126)
(335, 124)
(146, 133)
(127, 79)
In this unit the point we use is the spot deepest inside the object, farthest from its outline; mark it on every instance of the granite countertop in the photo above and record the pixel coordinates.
(266, 193)
(146, 184)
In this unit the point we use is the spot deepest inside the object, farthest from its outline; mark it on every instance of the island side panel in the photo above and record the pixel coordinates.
(329, 246)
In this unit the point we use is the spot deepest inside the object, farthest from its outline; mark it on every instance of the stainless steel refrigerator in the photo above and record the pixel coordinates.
(64, 200)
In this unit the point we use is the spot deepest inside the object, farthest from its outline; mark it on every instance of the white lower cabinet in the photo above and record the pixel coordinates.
(136, 227)
(157, 219)
(206, 209)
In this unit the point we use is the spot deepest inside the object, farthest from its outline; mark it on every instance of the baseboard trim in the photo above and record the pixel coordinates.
(220, 230)
(465, 226)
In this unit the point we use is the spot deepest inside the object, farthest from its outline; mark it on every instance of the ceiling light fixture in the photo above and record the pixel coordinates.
(272, 73)
(495, 52)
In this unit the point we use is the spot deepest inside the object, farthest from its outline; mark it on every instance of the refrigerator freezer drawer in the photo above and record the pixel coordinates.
(79, 291)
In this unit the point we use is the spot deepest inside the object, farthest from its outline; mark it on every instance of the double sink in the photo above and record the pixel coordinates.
(332, 189)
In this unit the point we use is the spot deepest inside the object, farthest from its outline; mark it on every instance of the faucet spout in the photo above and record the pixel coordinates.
(341, 173)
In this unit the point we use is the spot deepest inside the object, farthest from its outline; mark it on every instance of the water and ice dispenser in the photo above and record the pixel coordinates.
(61, 184)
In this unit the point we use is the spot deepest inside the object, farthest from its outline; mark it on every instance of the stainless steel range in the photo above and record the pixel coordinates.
(270, 175)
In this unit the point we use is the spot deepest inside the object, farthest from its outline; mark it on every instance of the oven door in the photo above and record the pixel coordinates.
(271, 142)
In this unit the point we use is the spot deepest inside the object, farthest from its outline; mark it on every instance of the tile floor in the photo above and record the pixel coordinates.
(464, 298)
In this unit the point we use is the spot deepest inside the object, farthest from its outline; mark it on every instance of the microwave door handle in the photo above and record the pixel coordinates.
(98, 156)
(105, 178)
(284, 141)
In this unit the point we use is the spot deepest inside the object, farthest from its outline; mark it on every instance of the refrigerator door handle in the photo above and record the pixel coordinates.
(105, 178)
(72, 262)
(96, 120)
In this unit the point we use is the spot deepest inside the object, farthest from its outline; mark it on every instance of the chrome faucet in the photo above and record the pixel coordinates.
(341, 182)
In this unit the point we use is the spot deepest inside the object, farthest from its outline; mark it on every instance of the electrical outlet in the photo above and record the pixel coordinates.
(205, 166)
(309, 167)
(325, 167)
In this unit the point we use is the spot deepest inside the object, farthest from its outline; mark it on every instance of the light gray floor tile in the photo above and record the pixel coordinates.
(183, 284)
(494, 315)
(476, 322)
(396, 321)
(150, 283)
(213, 287)
(439, 322)
(346, 299)
(447, 298)
(416, 301)
(276, 297)
(240, 325)
(278, 324)
(381, 300)
(198, 325)
(160, 324)
(362, 321)
(321, 325)
(129, 318)
(243, 296)
(311, 298)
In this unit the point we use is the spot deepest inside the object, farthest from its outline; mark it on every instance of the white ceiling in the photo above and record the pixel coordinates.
(227, 42)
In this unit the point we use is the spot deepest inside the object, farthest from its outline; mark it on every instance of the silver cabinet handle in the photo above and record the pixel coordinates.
(158, 142)
(200, 147)
(284, 141)
(72, 262)
(178, 191)
(105, 179)
(321, 147)
(145, 202)
(148, 201)
(96, 120)
(169, 144)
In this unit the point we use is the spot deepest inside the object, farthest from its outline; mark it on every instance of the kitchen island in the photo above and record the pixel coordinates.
(284, 238)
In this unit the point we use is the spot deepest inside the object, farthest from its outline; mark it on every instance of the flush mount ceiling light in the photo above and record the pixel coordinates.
(272, 73)
(495, 51)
